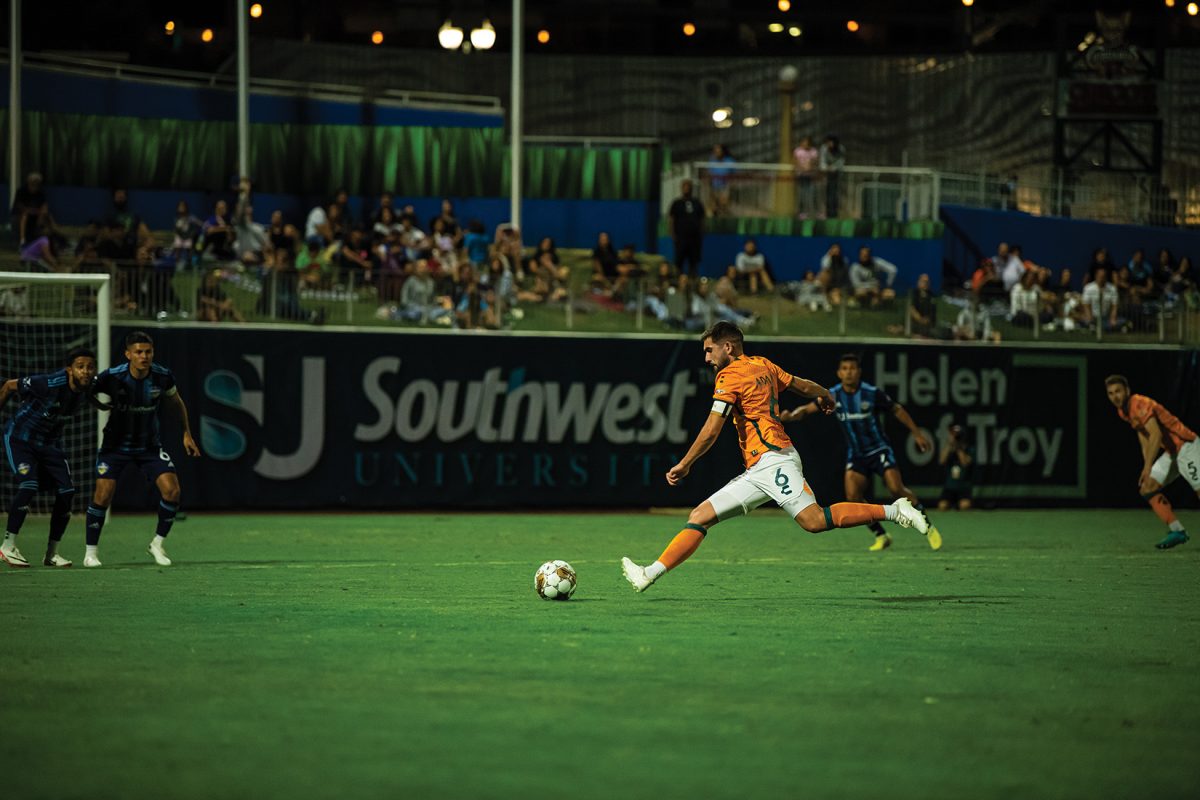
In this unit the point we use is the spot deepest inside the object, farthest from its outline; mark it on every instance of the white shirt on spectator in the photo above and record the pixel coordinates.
(316, 218)
(975, 320)
(1024, 299)
(749, 263)
(1101, 301)
(1011, 272)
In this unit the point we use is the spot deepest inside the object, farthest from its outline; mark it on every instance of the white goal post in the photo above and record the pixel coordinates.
(43, 316)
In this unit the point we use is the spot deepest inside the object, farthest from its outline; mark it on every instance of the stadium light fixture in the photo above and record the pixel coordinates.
(968, 3)
(1170, 3)
(720, 115)
(450, 37)
(206, 35)
(543, 36)
(775, 27)
(689, 29)
(483, 37)
(794, 31)
(170, 27)
(377, 37)
(750, 122)
(1193, 9)
(256, 10)
(785, 5)
(852, 26)
(725, 123)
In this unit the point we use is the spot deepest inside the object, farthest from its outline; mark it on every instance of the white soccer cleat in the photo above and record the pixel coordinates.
(91, 561)
(160, 555)
(909, 517)
(12, 556)
(635, 575)
(56, 561)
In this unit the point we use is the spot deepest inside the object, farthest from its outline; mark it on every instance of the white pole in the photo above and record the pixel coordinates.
(103, 343)
(14, 99)
(243, 91)
(518, 25)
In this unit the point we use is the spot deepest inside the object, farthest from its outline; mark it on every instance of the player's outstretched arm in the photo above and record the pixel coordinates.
(802, 386)
(704, 441)
(1151, 443)
(6, 388)
(189, 444)
(906, 420)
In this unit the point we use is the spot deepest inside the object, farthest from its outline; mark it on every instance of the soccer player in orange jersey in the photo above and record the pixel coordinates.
(747, 389)
(1169, 449)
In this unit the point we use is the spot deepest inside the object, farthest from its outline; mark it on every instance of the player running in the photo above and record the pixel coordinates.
(131, 440)
(1169, 449)
(747, 388)
(867, 448)
(34, 450)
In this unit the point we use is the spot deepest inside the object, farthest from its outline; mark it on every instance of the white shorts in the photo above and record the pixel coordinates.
(777, 476)
(1186, 463)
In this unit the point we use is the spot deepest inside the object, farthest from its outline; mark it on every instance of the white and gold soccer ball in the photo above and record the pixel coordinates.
(555, 580)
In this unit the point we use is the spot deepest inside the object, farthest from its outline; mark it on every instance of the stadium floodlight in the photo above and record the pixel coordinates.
(719, 115)
(750, 122)
(449, 36)
(775, 27)
(42, 317)
(483, 37)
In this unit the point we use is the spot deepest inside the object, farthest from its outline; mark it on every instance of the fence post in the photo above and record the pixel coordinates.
(842, 315)
(1162, 324)
(776, 303)
(639, 312)
(570, 304)
(350, 297)
(908, 317)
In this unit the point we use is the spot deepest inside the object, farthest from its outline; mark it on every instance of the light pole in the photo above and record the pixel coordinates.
(785, 197)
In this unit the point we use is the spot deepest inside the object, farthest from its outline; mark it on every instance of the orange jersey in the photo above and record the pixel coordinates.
(1142, 408)
(749, 388)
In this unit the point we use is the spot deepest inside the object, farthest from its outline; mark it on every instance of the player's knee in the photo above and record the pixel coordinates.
(812, 519)
(170, 494)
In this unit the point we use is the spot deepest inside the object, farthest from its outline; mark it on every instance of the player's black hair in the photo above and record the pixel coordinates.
(849, 357)
(78, 352)
(723, 331)
(138, 337)
(1121, 379)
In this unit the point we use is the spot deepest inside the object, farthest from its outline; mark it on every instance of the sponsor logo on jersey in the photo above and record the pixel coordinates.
(102, 468)
(23, 469)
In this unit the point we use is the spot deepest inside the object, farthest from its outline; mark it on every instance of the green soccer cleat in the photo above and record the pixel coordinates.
(882, 542)
(1173, 538)
(934, 537)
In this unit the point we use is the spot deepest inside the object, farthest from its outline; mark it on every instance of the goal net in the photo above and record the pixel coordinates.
(42, 317)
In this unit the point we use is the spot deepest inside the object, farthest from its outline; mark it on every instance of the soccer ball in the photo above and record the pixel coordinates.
(555, 580)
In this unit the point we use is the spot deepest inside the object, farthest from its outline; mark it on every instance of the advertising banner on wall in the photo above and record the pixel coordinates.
(319, 419)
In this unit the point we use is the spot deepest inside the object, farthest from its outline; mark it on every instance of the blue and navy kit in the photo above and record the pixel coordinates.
(31, 438)
(131, 435)
(867, 448)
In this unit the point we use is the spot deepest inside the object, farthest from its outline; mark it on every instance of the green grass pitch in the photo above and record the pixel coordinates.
(1040, 654)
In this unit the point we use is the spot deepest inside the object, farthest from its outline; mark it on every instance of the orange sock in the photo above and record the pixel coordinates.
(683, 545)
(1161, 506)
(847, 515)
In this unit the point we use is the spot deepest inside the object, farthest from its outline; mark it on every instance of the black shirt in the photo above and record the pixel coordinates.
(687, 213)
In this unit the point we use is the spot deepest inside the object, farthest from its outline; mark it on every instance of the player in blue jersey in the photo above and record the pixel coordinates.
(135, 391)
(867, 448)
(34, 452)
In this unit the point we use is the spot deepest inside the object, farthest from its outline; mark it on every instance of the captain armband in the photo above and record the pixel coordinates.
(722, 408)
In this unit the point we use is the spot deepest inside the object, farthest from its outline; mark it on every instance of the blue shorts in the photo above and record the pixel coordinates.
(44, 464)
(878, 462)
(110, 464)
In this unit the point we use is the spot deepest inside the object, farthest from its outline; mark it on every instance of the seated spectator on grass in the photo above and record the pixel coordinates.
(1100, 260)
(218, 233)
(500, 281)
(1100, 302)
(212, 304)
(1183, 280)
(508, 244)
(476, 243)
(706, 305)
(445, 250)
(450, 225)
(986, 284)
(724, 291)
(418, 299)
(865, 278)
(187, 231)
(604, 262)
(472, 310)
(629, 271)
(835, 275)
(393, 267)
(283, 239)
(810, 292)
(974, 324)
(251, 242)
(314, 264)
(1140, 279)
(752, 266)
(1026, 302)
(922, 310)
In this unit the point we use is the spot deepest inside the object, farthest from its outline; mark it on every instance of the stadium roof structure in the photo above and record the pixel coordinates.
(136, 29)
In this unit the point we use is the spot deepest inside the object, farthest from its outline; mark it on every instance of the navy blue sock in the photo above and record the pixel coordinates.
(876, 529)
(95, 524)
(20, 505)
(60, 515)
(166, 517)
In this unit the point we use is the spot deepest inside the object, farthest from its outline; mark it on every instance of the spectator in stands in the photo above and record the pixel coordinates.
(1139, 279)
(408, 212)
(129, 237)
(416, 244)
(604, 263)
(630, 271)
(212, 304)
(805, 160)
(476, 243)
(865, 278)
(546, 247)
(341, 199)
(922, 310)
(30, 205)
(40, 256)
(472, 310)
(509, 245)
(317, 225)
(418, 299)
(832, 160)
(985, 283)
(1183, 280)
(1100, 301)
(314, 263)
(385, 221)
(835, 275)
(450, 224)
(706, 305)
(355, 261)
(1100, 260)
(218, 233)
(283, 240)
(187, 230)
(974, 324)
(752, 267)
(1025, 302)
(1164, 269)
(252, 244)
(445, 250)
(811, 292)
(393, 267)
(719, 171)
(385, 206)
(685, 223)
(1013, 266)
